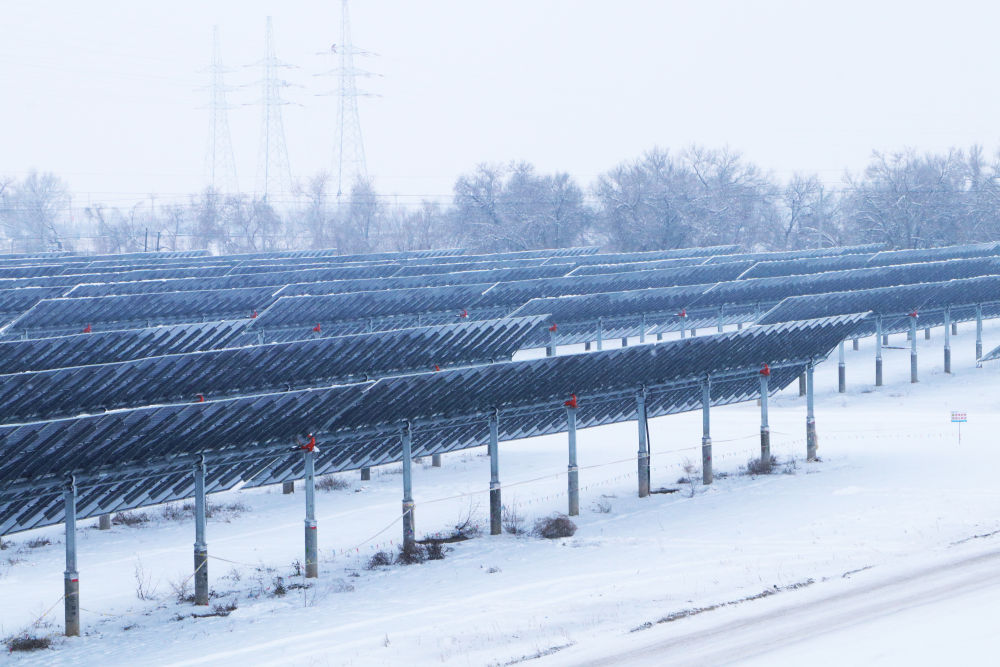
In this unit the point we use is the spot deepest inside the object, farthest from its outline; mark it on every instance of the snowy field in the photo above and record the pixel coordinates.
(882, 553)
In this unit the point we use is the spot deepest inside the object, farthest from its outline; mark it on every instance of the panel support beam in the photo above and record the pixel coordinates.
(640, 400)
(200, 545)
(765, 429)
(979, 332)
(706, 437)
(812, 444)
(600, 333)
(913, 348)
(311, 537)
(496, 506)
(841, 369)
(409, 532)
(878, 351)
(71, 577)
(573, 471)
(947, 340)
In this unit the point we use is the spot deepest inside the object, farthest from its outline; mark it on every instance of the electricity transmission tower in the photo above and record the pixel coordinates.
(349, 148)
(274, 175)
(220, 164)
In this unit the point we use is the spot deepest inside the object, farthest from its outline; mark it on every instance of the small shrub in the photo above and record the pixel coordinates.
(790, 466)
(279, 589)
(554, 527)
(182, 590)
(761, 466)
(225, 609)
(131, 519)
(296, 568)
(174, 513)
(331, 483)
(511, 520)
(27, 642)
(468, 526)
(379, 559)
(601, 507)
(36, 542)
(435, 551)
(412, 554)
(144, 589)
(4, 545)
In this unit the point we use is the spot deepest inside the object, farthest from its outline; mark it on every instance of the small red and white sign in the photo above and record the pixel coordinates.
(959, 417)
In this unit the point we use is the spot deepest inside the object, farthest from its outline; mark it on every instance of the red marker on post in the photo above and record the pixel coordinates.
(571, 403)
(766, 370)
(86, 329)
(317, 328)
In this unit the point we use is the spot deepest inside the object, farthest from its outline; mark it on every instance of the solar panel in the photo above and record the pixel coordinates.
(888, 257)
(134, 457)
(650, 255)
(256, 369)
(804, 265)
(596, 269)
(794, 254)
(132, 311)
(107, 347)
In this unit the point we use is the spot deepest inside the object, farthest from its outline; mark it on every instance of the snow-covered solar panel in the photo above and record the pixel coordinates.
(107, 347)
(596, 269)
(888, 257)
(795, 254)
(804, 265)
(131, 311)
(651, 255)
(138, 457)
(185, 378)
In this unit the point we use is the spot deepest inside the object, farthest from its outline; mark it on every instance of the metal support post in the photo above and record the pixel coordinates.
(706, 438)
(979, 332)
(624, 341)
(550, 351)
(642, 329)
(885, 339)
(947, 340)
(739, 326)
(719, 322)
(855, 345)
(765, 429)
(312, 548)
(682, 329)
(200, 546)
(366, 474)
(802, 385)
(811, 443)
(586, 346)
(694, 332)
(659, 337)
(104, 522)
(435, 460)
(878, 351)
(600, 333)
(494, 451)
(927, 333)
(841, 369)
(573, 471)
(71, 578)
(913, 349)
(288, 487)
(640, 399)
(954, 327)
(408, 526)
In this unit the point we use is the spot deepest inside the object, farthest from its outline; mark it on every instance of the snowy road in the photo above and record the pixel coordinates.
(921, 617)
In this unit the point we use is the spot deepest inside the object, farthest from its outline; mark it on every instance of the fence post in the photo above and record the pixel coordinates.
(765, 429)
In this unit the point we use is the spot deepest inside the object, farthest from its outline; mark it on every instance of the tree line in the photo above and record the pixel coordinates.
(662, 199)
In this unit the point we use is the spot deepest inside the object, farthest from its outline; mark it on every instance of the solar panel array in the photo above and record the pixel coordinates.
(137, 457)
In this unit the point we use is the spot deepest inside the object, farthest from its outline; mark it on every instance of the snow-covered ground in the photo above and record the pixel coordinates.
(871, 555)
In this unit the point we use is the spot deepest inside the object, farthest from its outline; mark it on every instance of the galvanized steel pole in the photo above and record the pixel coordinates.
(312, 547)
(765, 429)
(71, 578)
(802, 385)
(878, 351)
(494, 451)
(642, 329)
(811, 442)
(979, 332)
(408, 530)
(913, 348)
(855, 345)
(719, 324)
(200, 545)
(841, 369)
(640, 400)
(927, 333)
(706, 438)
(435, 460)
(366, 474)
(550, 351)
(573, 471)
(600, 333)
(947, 340)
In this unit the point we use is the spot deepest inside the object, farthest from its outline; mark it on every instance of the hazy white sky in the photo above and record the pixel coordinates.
(105, 93)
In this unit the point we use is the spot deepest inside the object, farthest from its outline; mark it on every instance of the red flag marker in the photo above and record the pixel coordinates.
(553, 327)
(436, 367)
(913, 314)
(201, 398)
(464, 313)
(317, 328)
(253, 315)
(571, 403)
(766, 370)
(683, 313)
(86, 329)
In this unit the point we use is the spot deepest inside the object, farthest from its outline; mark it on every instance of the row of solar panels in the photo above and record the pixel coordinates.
(134, 457)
